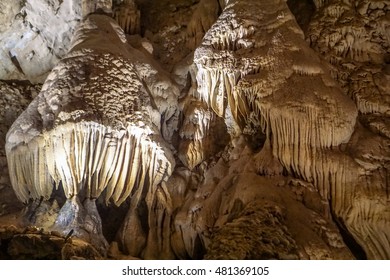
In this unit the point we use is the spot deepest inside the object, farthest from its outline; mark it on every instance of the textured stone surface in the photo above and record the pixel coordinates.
(35, 243)
(93, 128)
(36, 37)
(354, 38)
(235, 129)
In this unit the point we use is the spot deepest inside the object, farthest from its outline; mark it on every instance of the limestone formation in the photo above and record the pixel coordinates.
(92, 6)
(93, 129)
(211, 129)
(257, 69)
(354, 39)
(128, 17)
(204, 16)
(38, 35)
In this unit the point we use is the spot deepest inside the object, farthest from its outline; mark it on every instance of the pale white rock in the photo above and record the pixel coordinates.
(8, 10)
(258, 67)
(254, 82)
(202, 132)
(54, 114)
(37, 36)
(95, 127)
(194, 134)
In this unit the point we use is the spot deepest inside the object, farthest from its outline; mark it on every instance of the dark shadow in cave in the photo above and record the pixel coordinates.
(112, 218)
(351, 243)
(303, 11)
(348, 239)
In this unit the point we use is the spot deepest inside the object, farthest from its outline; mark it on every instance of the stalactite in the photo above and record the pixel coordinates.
(343, 33)
(301, 110)
(128, 17)
(258, 74)
(261, 121)
(93, 130)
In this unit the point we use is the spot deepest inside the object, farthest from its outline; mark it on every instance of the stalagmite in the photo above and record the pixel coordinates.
(93, 130)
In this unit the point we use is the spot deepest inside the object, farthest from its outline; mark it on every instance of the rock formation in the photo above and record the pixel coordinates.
(94, 129)
(247, 130)
(128, 17)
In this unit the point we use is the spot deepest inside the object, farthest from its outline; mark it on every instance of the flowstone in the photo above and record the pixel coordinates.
(94, 130)
(268, 137)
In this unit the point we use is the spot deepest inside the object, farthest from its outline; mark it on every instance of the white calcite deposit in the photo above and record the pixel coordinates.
(253, 64)
(37, 35)
(264, 142)
(94, 127)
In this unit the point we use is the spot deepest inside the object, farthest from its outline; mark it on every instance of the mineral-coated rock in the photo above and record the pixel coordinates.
(271, 142)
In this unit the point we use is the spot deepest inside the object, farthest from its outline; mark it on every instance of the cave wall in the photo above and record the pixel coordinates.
(266, 123)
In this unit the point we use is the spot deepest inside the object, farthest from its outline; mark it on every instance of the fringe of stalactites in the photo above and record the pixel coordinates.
(88, 157)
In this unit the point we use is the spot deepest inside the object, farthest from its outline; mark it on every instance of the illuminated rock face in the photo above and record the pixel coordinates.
(255, 70)
(36, 36)
(354, 39)
(259, 75)
(260, 149)
(93, 128)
